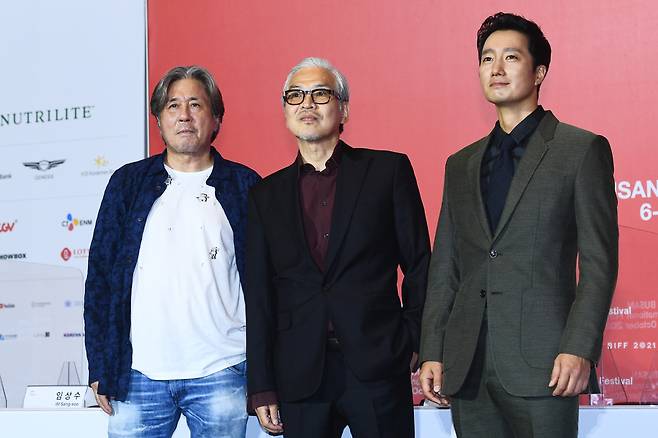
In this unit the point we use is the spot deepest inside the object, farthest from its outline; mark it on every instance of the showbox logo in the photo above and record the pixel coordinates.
(16, 256)
(71, 223)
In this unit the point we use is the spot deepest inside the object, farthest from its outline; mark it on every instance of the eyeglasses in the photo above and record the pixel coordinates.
(319, 96)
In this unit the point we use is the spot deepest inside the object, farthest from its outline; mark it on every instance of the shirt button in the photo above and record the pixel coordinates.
(325, 235)
(324, 203)
(483, 293)
(493, 253)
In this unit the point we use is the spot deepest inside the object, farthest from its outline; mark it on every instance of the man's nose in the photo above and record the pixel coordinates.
(308, 101)
(498, 67)
(184, 114)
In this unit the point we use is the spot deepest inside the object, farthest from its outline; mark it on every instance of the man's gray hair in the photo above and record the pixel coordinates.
(161, 90)
(342, 88)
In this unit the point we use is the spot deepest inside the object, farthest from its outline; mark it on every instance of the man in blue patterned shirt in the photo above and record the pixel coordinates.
(164, 308)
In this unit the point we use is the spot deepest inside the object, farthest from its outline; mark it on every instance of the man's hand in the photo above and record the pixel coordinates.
(431, 379)
(570, 375)
(268, 417)
(102, 400)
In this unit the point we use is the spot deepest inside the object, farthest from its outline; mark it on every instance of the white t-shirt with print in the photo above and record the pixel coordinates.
(187, 314)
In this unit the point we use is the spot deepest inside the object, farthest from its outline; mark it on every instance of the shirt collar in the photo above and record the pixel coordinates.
(157, 168)
(524, 129)
(331, 164)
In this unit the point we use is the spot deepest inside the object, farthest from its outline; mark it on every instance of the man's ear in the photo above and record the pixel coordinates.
(345, 109)
(540, 74)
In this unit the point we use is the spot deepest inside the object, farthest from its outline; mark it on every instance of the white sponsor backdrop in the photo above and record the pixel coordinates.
(73, 110)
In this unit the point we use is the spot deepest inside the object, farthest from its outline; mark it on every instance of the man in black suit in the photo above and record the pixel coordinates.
(328, 340)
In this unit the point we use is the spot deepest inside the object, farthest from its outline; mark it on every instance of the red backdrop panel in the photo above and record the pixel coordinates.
(412, 68)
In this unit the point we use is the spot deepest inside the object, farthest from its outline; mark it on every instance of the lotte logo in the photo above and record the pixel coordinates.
(7, 227)
(67, 253)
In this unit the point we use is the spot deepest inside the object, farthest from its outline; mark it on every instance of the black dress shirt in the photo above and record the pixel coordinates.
(521, 133)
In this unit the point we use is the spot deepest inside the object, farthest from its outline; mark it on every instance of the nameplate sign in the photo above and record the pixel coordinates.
(54, 397)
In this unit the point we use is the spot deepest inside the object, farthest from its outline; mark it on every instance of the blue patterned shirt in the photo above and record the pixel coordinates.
(128, 198)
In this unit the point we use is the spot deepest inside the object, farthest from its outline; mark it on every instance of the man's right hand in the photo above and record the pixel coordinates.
(102, 400)
(431, 381)
(269, 419)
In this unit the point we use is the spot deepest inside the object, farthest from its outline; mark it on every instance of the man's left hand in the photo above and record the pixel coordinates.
(570, 375)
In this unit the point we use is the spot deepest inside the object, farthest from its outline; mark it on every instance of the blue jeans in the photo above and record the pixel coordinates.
(214, 406)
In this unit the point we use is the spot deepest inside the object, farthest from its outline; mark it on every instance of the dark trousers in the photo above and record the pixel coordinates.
(482, 407)
(378, 409)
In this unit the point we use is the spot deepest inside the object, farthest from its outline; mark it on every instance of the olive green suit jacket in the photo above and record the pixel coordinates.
(561, 211)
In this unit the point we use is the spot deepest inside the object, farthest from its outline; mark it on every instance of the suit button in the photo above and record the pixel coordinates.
(483, 293)
(493, 253)
(139, 219)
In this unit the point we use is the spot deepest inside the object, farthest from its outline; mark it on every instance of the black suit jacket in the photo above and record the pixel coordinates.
(378, 225)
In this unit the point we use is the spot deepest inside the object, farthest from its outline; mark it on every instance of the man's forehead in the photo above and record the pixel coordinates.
(312, 76)
(506, 40)
(186, 89)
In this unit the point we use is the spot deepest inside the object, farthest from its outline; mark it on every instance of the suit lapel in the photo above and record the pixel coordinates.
(534, 153)
(474, 166)
(351, 172)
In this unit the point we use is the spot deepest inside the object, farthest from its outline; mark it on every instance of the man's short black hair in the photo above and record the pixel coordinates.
(538, 45)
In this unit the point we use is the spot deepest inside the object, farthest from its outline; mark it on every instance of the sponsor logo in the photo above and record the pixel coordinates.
(43, 165)
(7, 306)
(67, 253)
(17, 256)
(73, 335)
(42, 335)
(71, 223)
(39, 304)
(7, 227)
(102, 167)
(46, 115)
(5, 337)
(5, 176)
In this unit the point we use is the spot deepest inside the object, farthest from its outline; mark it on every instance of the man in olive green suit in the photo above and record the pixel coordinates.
(508, 332)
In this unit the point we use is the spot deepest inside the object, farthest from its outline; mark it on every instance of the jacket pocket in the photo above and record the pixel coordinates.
(542, 325)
